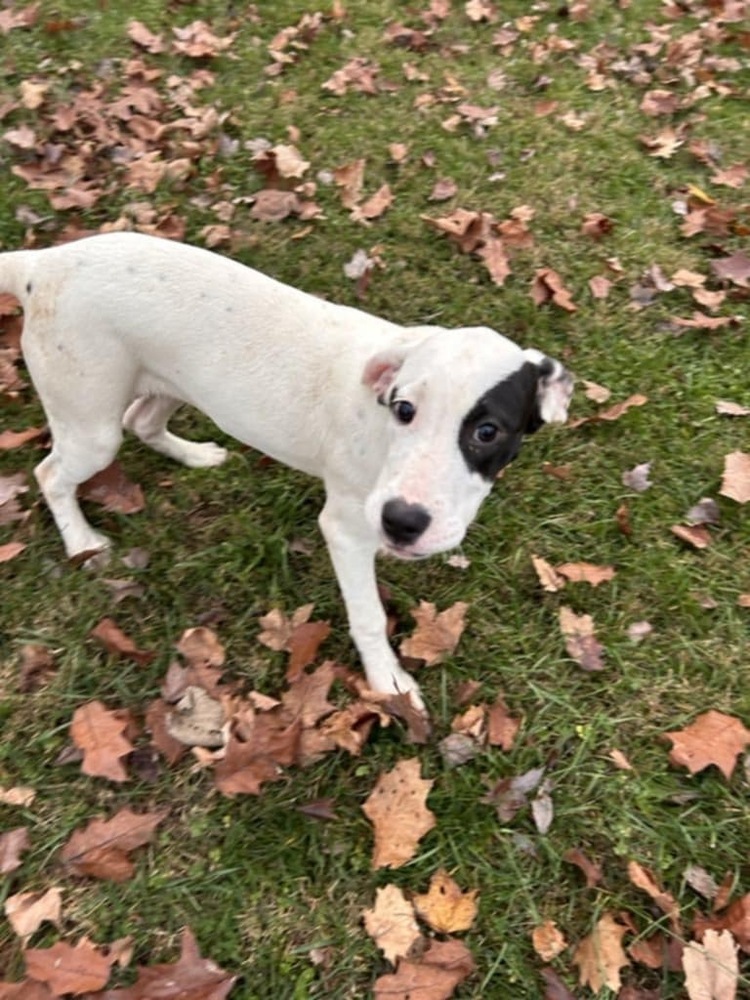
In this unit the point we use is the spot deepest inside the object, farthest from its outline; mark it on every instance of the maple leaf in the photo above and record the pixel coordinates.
(99, 733)
(115, 641)
(67, 968)
(445, 907)
(735, 482)
(201, 647)
(736, 919)
(714, 738)
(600, 955)
(101, 848)
(502, 728)
(548, 940)
(435, 976)
(12, 843)
(711, 968)
(27, 911)
(307, 696)
(580, 640)
(397, 809)
(391, 923)
(191, 976)
(437, 633)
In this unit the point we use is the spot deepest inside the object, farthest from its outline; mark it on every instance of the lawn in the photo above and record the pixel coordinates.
(600, 150)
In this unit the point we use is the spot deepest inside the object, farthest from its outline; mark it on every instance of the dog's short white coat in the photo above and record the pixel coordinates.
(119, 329)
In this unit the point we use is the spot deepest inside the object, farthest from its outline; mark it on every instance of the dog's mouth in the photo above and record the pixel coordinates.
(407, 553)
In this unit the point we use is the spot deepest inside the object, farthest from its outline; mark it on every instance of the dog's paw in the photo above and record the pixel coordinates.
(400, 682)
(94, 555)
(203, 455)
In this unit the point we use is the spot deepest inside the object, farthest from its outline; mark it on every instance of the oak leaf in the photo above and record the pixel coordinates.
(397, 809)
(600, 956)
(99, 733)
(391, 923)
(67, 968)
(437, 633)
(714, 738)
(445, 907)
(102, 847)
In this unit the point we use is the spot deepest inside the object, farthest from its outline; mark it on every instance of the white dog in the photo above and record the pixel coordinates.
(407, 426)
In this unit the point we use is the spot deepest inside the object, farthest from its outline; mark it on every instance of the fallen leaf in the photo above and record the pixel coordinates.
(714, 738)
(12, 843)
(547, 286)
(735, 268)
(445, 907)
(735, 482)
(644, 879)
(27, 911)
(191, 977)
(580, 641)
(586, 573)
(197, 720)
(201, 647)
(596, 393)
(19, 795)
(548, 941)
(592, 872)
(435, 976)
(696, 535)
(613, 412)
(735, 919)
(729, 409)
(637, 477)
(555, 988)
(509, 795)
(437, 633)
(115, 641)
(549, 578)
(391, 923)
(374, 206)
(600, 956)
(10, 550)
(67, 968)
(502, 728)
(113, 491)
(99, 733)
(711, 968)
(397, 809)
(102, 847)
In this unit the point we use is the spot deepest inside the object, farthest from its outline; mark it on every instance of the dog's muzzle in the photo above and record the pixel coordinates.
(404, 523)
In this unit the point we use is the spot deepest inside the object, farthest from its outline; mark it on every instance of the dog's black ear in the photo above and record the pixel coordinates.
(380, 371)
(554, 389)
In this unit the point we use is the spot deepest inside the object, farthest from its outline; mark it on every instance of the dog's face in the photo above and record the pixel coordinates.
(460, 403)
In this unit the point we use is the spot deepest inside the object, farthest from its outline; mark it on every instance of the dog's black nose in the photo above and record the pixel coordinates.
(404, 522)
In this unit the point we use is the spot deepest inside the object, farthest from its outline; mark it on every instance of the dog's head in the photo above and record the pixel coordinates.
(460, 403)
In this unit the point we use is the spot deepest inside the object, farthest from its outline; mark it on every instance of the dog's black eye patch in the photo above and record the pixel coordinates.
(491, 432)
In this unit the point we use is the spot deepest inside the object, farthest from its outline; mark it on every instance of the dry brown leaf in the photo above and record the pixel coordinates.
(591, 871)
(644, 879)
(547, 286)
(391, 924)
(112, 489)
(99, 733)
(600, 956)
(730, 409)
(586, 573)
(696, 535)
(18, 795)
(445, 907)
(12, 843)
(374, 206)
(711, 968)
(736, 919)
(549, 578)
(437, 633)
(67, 968)
(580, 640)
(115, 641)
(735, 482)
(102, 847)
(397, 809)
(201, 647)
(502, 728)
(277, 629)
(714, 738)
(434, 976)
(10, 550)
(548, 941)
(27, 911)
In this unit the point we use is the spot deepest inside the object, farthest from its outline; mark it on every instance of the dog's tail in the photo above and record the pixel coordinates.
(16, 274)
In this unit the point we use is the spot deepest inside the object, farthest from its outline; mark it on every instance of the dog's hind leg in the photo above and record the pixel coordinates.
(147, 418)
(352, 547)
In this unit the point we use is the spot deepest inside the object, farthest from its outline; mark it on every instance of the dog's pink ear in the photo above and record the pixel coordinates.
(380, 371)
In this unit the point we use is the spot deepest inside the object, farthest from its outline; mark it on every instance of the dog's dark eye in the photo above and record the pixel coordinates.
(486, 433)
(404, 411)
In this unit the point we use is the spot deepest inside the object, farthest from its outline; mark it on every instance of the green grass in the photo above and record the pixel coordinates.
(260, 884)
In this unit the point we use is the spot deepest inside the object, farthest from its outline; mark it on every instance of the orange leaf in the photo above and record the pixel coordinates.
(600, 955)
(436, 635)
(99, 733)
(445, 907)
(69, 968)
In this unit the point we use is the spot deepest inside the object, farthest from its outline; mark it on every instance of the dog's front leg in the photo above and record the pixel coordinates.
(352, 545)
